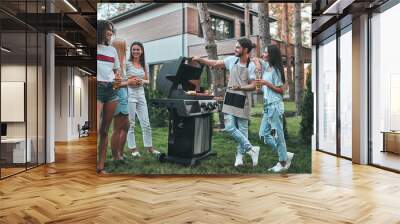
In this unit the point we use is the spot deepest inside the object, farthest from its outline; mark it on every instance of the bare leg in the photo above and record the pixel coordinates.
(118, 139)
(115, 137)
(99, 110)
(107, 116)
(122, 135)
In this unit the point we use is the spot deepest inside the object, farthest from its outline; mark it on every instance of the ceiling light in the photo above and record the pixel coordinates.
(70, 5)
(64, 40)
(86, 72)
(337, 7)
(5, 50)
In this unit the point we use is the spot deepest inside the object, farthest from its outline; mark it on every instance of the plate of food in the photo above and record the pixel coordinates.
(191, 92)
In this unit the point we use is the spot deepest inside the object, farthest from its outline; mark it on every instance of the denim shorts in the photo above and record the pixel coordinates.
(106, 93)
(122, 107)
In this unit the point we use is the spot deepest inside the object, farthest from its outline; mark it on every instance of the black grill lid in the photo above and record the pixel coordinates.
(175, 75)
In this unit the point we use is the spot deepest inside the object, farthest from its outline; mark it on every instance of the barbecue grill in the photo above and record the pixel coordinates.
(190, 128)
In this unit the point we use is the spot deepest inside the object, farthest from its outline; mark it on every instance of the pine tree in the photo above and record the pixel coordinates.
(307, 112)
(298, 59)
(263, 23)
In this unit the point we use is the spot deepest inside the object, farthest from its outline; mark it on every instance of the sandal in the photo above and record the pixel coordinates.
(101, 171)
(136, 154)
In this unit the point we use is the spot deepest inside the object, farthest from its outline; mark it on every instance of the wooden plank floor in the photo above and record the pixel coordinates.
(69, 191)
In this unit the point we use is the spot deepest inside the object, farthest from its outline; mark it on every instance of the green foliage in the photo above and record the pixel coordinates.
(158, 116)
(224, 146)
(307, 113)
(285, 131)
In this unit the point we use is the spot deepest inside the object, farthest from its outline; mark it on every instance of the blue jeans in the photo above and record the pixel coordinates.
(271, 128)
(238, 128)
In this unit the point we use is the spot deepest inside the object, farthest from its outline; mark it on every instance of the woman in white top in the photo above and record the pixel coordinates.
(136, 70)
(108, 80)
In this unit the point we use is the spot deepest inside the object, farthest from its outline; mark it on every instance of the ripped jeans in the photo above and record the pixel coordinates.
(238, 128)
(271, 128)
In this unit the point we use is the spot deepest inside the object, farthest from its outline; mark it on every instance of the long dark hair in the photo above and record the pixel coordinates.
(102, 27)
(275, 60)
(142, 60)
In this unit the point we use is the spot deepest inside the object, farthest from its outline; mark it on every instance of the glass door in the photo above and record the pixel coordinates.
(14, 54)
(22, 63)
(385, 89)
(346, 92)
(327, 95)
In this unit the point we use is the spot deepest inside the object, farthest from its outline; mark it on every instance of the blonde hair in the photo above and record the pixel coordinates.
(120, 45)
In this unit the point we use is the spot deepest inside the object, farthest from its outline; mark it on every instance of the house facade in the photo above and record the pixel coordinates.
(169, 31)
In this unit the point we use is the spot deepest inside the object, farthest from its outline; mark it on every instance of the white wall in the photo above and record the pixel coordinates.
(79, 117)
(192, 39)
(164, 49)
(10, 73)
(33, 126)
(154, 13)
(61, 103)
(69, 85)
(16, 73)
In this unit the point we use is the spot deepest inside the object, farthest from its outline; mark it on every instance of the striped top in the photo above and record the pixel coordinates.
(107, 61)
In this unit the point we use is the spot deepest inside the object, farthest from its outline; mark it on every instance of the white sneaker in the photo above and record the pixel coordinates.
(254, 152)
(136, 154)
(239, 160)
(277, 168)
(289, 159)
(155, 152)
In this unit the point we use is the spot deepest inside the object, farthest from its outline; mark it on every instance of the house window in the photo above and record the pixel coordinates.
(243, 30)
(222, 28)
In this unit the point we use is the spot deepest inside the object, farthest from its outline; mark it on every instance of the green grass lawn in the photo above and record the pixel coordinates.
(225, 148)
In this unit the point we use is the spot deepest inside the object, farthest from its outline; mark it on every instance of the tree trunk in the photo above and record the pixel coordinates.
(289, 74)
(253, 98)
(263, 23)
(247, 19)
(277, 10)
(298, 59)
(217, 75)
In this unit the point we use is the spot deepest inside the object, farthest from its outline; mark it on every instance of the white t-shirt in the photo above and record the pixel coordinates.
(230, 61)
(107, 61)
